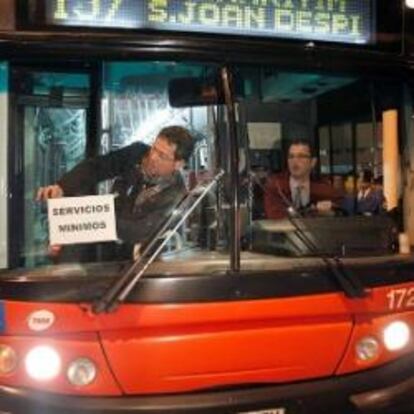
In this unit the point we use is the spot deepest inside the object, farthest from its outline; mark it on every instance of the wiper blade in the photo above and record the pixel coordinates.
(119, 291)
(348, 282)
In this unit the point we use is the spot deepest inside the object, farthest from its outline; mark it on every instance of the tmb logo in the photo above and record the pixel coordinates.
(40, 320)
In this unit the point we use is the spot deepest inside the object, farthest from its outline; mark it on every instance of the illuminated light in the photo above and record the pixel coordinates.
(355, 25)
(305, 22)
(367, 349)
(396, 335)
(284, 20)
(255, 18)
(91, 14)
(323, 23)
(81, 372)
(209, 14)
(8, 359)
(232, 16)
(409, 4)
(340, 24)
(330, 20)
(43, 363)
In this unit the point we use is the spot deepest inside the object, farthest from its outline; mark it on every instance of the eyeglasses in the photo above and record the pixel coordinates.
(299, 156)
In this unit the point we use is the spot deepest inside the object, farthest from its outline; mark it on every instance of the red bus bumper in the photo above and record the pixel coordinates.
(387, 389)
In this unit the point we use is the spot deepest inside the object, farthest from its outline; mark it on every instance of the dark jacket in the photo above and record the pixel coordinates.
(372, 203)
(141, 204)
(275, 206)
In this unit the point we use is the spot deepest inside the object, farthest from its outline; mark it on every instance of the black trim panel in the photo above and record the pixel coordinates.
(209, 288)
(92, 46)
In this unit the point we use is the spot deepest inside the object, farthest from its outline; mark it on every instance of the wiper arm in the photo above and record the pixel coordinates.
(349, 283)
(119, 291)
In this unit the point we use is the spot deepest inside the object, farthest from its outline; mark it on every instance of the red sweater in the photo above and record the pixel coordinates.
(275, 207)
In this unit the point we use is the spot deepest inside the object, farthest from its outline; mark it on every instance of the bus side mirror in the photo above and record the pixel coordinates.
(185, 92)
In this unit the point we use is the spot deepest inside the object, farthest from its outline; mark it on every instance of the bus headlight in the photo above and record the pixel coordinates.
(81, 372)
(367, 349)
(409, 4)
(396, 335)
(43, 363)
(8, 359)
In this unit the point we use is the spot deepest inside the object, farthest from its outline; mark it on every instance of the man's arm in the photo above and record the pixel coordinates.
(82, 179)
(325, 196)
(86, 175)
(274, 206)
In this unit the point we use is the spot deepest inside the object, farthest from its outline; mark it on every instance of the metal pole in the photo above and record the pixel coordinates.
(227, 81)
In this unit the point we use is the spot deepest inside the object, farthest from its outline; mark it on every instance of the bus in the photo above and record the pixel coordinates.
(227, 307)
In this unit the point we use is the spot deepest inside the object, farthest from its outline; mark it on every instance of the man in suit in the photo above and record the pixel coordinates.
(370, 200)
(296, 187)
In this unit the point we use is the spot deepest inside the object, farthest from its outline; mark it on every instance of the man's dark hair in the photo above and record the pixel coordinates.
(302, 142)
(181, 138)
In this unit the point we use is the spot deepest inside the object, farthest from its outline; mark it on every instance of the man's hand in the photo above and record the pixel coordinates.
(324, 206)
(43, 194)
(51, 191)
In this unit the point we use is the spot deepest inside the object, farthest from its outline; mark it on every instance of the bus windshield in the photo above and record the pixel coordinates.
(320, 168)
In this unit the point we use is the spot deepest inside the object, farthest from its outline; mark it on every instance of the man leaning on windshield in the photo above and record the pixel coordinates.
(147, 181)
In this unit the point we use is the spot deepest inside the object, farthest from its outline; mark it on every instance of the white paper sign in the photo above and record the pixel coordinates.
(75, 220)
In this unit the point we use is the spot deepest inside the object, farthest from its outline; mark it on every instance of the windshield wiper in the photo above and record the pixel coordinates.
(349, 283)
(119, 291)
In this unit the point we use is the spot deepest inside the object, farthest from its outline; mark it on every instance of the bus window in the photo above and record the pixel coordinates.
(155, 157)
(321, 172)
(51, 118)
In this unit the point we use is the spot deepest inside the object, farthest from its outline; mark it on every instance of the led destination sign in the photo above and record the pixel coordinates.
(347, 21)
